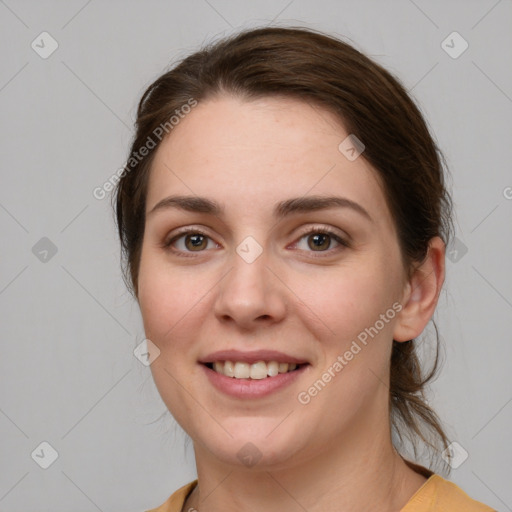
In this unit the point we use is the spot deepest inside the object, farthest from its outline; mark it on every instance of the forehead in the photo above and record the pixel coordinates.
(258, 153)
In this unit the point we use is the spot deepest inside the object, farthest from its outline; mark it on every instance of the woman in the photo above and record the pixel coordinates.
(284, 219)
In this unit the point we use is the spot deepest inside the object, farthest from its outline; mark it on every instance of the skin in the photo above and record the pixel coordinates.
(309, 303)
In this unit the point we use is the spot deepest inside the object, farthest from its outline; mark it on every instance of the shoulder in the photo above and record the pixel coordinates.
(175, 502)
(440, 495)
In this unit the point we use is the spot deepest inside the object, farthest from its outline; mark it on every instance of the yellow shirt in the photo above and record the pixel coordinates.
(435, 495)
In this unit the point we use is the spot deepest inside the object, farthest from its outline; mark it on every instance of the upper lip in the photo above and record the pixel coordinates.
(251, 356)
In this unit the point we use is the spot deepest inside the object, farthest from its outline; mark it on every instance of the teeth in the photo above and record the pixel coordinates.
(229, 368)
(259, 370)
(242, 370)
(272, 368)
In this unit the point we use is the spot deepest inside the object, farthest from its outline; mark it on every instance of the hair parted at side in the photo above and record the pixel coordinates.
(370, 103)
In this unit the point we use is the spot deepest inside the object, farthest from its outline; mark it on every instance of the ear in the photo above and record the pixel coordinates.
(421, 293)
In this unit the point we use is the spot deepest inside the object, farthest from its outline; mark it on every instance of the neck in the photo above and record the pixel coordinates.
(366, 473)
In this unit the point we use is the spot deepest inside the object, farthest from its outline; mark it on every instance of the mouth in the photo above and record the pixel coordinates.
(249, 385)
(252, 375)
(255, 371)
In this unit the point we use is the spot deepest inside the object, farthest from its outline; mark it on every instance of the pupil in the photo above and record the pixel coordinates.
(196, 240)
(319, 237)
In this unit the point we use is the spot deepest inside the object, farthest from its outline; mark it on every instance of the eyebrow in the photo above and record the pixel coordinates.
(283, 209)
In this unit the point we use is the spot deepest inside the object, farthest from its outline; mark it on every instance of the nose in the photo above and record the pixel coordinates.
(251, 295)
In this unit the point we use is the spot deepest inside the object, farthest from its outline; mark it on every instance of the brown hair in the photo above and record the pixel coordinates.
(371, 104)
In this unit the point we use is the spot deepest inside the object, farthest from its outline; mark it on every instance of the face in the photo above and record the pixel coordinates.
(265, 278)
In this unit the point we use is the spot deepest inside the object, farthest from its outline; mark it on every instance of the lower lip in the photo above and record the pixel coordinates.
(252, 388)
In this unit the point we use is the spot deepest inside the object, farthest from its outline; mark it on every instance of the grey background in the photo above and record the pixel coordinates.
(69, 327)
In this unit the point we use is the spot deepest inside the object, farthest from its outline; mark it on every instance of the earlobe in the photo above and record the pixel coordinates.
(421, 293)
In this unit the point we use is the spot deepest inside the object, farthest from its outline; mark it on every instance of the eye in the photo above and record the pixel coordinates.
(192, 240)
(320, 240)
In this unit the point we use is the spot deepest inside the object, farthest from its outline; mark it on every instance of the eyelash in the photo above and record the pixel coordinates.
(316, 230)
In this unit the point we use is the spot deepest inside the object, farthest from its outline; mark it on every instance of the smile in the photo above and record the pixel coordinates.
(257, 371)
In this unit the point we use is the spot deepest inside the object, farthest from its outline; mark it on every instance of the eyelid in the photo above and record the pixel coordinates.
(325, 228)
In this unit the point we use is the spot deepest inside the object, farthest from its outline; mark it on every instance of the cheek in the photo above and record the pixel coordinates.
(344, 302)
(169, 304)
(167, 298)
(356, 349)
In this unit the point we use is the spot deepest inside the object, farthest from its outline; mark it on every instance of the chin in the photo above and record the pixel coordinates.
(266, 445)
